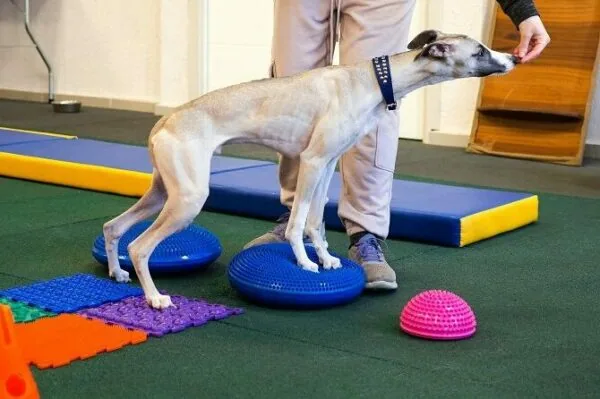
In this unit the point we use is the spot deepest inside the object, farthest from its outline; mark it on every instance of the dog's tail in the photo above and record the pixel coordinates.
(156, 128)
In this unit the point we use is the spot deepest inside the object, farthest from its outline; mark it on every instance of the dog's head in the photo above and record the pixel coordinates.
(459, 56)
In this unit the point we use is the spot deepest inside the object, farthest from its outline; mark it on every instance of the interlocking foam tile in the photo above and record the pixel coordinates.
(57, 341)
(72, 293)
(134, 312)
(23, 313)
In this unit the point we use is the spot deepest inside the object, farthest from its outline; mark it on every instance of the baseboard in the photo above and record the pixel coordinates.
(448, 139)
(90, 101)
(592, 151)
(23, 95)
(163, 109)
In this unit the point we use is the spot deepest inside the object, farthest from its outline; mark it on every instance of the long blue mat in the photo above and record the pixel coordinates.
(419, 211)
(111, 155)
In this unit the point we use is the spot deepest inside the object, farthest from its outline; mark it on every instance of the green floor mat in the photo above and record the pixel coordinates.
(23, 313)
(534, 292)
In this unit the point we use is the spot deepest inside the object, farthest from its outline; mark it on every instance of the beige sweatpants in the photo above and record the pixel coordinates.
(303, 32)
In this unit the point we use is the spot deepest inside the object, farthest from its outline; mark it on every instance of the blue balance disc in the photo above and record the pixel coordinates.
(190, 249)
(269, 274)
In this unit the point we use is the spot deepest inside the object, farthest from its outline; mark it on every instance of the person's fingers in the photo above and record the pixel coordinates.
(536, 51)
(523, 46)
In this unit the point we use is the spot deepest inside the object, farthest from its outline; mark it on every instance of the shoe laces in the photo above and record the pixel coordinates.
(369, 249)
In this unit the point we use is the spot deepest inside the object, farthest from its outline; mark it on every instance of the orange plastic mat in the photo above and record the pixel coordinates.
(16, 380)
(57, 341)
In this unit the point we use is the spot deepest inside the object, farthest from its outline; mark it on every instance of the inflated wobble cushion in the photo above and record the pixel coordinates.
(190, 249)
(269, 274)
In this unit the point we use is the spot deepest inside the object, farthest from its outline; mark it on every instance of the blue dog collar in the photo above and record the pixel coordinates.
(381, 65)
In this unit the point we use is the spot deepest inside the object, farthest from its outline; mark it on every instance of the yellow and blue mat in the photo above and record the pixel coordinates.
(427, 212)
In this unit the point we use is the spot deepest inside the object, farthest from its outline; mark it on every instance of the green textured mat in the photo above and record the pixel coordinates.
(534, 292)
(23, 313)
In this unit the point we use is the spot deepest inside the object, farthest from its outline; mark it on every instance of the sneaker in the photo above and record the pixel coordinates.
(274, 236)
(367, 253)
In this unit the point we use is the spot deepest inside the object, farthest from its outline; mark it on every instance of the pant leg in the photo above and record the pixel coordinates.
(300, 43)
(369, 29)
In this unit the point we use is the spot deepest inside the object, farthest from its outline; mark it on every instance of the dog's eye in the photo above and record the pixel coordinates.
(480, 52)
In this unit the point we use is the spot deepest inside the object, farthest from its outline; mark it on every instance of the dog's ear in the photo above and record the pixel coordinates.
(424, 38)
(437, 50)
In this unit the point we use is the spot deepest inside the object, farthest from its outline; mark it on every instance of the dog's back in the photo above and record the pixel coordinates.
(277, 112)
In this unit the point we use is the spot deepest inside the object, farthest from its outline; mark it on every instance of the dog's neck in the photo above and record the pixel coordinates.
(409, 74)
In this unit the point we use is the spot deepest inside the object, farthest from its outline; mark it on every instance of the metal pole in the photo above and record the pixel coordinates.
(39, 50)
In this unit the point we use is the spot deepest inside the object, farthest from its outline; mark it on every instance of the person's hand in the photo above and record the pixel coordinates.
(534, 39)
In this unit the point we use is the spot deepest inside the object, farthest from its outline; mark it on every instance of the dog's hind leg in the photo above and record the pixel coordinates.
(148, 205)
(315, 227)
(185, 171)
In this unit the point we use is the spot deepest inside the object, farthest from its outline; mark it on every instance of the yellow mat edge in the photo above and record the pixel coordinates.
(90, 177)
(492, 222)
(65, 136)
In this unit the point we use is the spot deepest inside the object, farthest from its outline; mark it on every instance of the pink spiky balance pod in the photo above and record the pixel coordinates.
(438, 315)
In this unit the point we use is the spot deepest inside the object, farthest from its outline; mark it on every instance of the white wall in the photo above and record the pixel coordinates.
(180, 41)
(101, 48)
(239, 41)
(458, 98)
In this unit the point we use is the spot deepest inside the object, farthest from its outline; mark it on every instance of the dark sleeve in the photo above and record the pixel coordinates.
(518, 10)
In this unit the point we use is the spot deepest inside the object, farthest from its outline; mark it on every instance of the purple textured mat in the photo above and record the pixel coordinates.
(135, 313)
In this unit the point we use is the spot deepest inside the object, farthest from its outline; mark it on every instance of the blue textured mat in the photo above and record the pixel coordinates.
(190, 249)
(10, 137)
(420, 211)
(269, 274)
(112, 155)
(71, 293)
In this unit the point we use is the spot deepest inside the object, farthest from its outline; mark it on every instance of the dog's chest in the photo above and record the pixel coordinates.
(363, 123)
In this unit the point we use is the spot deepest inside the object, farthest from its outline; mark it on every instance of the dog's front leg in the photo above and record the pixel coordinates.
(315, 228)
(310, 173)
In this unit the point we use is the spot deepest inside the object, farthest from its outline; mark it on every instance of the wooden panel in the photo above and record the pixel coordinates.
(539, 110)
(525, 135)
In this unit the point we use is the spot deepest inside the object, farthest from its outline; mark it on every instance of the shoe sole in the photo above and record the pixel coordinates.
(381, 285)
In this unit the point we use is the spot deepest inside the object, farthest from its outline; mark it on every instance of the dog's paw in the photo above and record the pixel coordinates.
(159, 301)
(310, 266)
(330, 262)
(120, 276)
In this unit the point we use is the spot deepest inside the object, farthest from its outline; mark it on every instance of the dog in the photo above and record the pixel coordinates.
(315, 116)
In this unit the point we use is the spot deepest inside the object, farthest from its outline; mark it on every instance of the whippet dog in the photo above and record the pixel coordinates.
(316, 116)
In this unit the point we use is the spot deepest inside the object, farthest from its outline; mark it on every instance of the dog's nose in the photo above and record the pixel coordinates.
(515, 59)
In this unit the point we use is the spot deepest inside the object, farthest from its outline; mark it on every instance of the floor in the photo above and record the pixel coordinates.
(534, 292)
